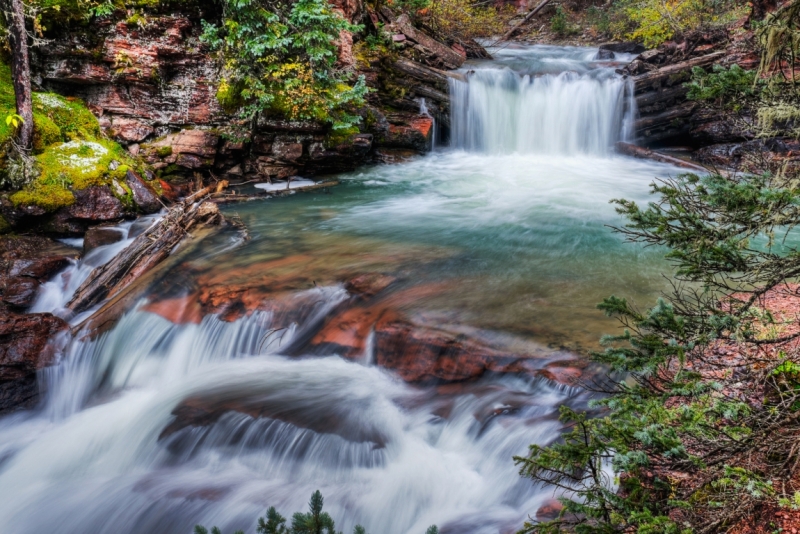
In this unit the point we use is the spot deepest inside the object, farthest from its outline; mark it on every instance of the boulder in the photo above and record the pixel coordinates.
(144, 195)
(25, 348)
(604, 55)
(99, 236)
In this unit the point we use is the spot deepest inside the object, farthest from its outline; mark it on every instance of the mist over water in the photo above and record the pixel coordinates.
(503, 235)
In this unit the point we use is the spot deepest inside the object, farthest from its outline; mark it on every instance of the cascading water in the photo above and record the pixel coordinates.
(499, 110)
(155, 426)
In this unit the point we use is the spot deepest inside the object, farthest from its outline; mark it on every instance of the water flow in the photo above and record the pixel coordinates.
(154, 427)
(499, 110)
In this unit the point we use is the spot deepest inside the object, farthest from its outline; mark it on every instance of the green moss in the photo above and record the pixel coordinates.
(137, 19)
(229, 96)
(164, 151)
(337, 137)
(45, 133)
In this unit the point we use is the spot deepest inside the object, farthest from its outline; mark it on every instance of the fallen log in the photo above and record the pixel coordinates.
(448, 57)
(645, 153)
(148, 250)
(426, 74)
(528, 17)
(654, 78)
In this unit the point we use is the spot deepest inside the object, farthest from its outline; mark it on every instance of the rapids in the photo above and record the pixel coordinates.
(501, 235)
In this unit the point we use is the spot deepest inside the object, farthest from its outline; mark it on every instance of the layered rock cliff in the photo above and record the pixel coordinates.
(153, 85)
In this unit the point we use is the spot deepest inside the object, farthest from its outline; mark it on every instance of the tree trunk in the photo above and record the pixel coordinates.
(20, 70)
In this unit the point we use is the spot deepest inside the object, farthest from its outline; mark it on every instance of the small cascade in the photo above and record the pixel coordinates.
(423, 110)
(54, 295)
(500, 111)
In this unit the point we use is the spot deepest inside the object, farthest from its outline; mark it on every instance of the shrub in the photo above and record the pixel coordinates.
(284, 62)
(560, 24)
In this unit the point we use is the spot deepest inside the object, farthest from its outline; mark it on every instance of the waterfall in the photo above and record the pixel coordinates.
(499, 111)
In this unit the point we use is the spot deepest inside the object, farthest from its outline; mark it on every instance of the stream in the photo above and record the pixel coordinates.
(501, 237)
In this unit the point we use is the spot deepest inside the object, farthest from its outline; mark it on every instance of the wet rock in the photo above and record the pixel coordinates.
(549, 510)
(144, 195)
(99, 236)
(604, 55)
(623, 48)
(25, 348)
(96, 203)
(20, 292)
(25, 264)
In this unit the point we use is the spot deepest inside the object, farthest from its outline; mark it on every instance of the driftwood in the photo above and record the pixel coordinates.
(528, 17)
(148, 250)
(228, 198)
(645, 153)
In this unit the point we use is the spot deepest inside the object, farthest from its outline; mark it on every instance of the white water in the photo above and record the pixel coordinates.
(499, 110)
(393, 457)
(389, 462)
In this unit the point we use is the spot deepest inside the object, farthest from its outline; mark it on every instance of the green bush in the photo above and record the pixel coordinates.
(283, 60)
(315, 521)
(560, 24)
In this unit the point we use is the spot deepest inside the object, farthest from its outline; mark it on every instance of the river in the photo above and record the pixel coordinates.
(502, 237)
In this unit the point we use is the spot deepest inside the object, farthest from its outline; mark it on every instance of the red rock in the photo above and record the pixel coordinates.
(25, 349)
(195, 142)
(409, 131)
(181, 310)
(20, 291)
(131, 130)
(549, 510)
(168, 192)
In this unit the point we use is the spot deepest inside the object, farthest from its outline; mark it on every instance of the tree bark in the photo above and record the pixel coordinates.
(20, 70)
